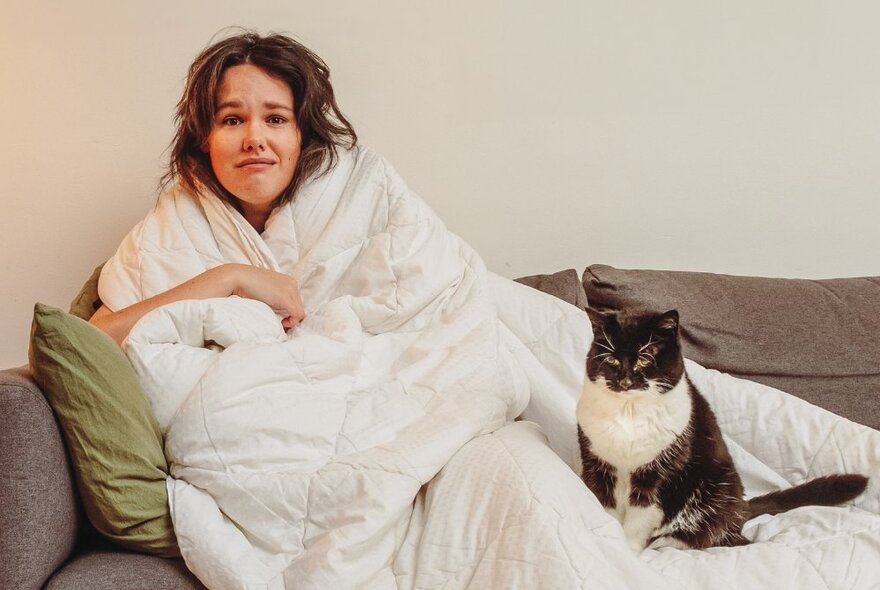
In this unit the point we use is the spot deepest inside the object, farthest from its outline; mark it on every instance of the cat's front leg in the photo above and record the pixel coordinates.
(644, 515)
(640, 524)
(614, 513)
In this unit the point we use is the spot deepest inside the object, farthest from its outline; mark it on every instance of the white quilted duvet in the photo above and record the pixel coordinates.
(373, 445)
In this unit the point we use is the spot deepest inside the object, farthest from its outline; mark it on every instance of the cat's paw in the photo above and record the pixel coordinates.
(637, 545)
(666, 541)
(635, 540)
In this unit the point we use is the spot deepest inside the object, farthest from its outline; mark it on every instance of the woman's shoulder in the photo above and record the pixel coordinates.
(367, 159)
(175, 206)
(356, 162)
(358, 155)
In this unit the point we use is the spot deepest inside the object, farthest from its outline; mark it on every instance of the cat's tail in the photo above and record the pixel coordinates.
(823, 491)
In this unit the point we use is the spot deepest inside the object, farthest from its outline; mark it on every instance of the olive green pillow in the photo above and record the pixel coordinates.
(114, 441)
(87, 302)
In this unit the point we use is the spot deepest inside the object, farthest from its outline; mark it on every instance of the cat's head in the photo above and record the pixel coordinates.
(633, 350)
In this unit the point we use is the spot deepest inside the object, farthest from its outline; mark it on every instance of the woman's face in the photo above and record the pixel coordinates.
(254, 143)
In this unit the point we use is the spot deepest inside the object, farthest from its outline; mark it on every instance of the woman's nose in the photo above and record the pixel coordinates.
(253, 139)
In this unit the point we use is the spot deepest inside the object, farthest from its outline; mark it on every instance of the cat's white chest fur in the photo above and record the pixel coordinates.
(629, 430)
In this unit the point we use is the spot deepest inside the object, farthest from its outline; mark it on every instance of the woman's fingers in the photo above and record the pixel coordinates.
(295, 310)
(277, 290)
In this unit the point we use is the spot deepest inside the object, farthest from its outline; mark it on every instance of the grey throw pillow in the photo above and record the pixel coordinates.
(565, 285)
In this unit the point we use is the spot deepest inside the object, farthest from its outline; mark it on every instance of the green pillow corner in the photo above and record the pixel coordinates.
(113, 439)
(87, 301)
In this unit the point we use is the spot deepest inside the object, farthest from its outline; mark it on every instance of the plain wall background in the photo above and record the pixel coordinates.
(738, 137)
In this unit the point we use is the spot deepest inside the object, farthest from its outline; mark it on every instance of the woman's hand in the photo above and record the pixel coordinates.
(277, 290)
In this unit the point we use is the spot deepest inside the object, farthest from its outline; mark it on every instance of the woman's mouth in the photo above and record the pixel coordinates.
(255, 163)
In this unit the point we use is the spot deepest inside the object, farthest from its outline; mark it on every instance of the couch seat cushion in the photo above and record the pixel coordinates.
(111, 570)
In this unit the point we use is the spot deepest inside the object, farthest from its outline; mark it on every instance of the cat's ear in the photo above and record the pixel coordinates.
(668, 321)
(597, 318)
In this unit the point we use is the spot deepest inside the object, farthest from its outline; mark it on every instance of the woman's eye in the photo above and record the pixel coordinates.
(276, 120)
(231, 121)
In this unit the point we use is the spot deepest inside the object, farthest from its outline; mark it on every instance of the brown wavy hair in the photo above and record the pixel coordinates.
(322, 125)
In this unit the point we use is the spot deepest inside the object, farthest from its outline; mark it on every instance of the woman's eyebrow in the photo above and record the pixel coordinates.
(237, 104)
(229, 104)
(276, 105)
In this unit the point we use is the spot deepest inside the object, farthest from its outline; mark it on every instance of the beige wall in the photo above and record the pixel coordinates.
(738, 137)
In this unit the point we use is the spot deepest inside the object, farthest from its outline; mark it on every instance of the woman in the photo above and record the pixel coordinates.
(257, 118)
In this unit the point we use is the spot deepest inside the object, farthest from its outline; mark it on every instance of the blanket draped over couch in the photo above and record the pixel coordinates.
(372, 445)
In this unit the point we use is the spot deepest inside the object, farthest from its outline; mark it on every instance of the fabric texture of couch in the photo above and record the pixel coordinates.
(45, 539)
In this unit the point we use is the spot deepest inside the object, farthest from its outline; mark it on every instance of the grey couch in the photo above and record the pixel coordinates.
(45, 540)
(817, 339)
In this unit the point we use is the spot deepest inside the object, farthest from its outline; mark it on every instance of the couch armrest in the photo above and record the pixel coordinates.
(38, 506)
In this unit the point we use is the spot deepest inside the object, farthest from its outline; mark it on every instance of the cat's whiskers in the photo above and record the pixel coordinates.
(651, 342)
(664, 385)
(605, 356)
(606, 347)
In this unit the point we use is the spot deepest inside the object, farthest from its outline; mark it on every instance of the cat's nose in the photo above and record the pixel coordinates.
(626, 383)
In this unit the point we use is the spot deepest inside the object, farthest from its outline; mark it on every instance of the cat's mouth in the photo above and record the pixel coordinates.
(621, 387)
(650, 386)
(627, 385)
(629, 389)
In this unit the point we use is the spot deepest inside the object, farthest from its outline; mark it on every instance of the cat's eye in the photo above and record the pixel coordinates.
(641, 363)
(613, 361)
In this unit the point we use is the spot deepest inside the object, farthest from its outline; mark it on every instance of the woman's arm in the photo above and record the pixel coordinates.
(278, 291)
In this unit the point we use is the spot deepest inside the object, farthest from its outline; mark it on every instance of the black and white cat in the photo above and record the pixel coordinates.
(651, 449)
